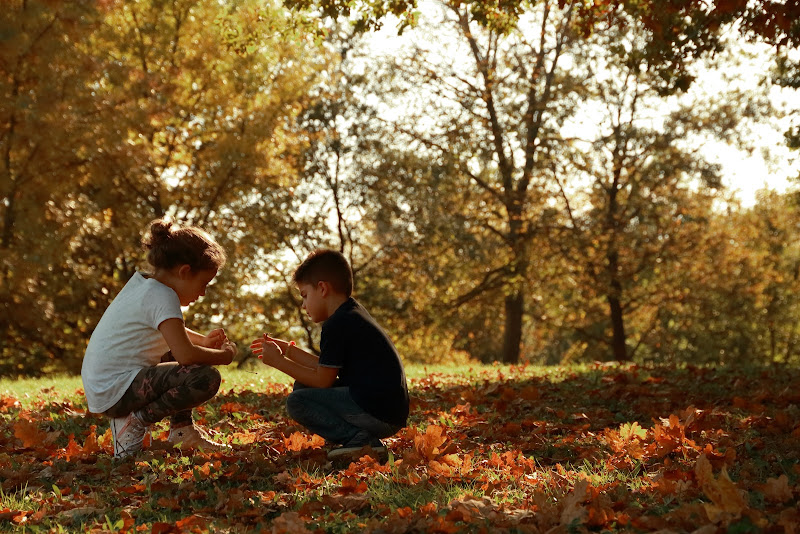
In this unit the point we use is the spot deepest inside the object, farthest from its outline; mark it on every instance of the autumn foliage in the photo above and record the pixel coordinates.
(501, 449)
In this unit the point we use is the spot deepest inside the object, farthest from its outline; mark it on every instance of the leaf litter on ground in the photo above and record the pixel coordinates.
(601, 447)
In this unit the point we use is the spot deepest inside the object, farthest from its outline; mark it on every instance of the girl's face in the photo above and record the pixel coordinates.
(191, 285)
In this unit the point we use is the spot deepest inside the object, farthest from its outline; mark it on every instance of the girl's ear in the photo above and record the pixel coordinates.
(184, 271)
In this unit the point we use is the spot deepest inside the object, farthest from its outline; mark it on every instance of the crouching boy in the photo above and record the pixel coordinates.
(354, 394)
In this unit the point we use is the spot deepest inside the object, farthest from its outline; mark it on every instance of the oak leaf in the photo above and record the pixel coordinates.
(777, 490)
(28, 433)
(299, 441)
(573, 510)
(72, 450)
(727, 501)
(90, 445)
(428, 444)
(289, 523)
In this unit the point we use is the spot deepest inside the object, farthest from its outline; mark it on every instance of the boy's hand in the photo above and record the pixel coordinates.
(215, 339)
(267, 350)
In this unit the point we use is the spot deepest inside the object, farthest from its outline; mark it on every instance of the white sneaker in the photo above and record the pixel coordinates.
(350, 452)
(194, 437)
(128, 433)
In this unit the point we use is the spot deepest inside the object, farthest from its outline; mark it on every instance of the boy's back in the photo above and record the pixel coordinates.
(367, 360)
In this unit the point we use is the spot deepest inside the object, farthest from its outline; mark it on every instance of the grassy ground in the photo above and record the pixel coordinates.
(488, 448)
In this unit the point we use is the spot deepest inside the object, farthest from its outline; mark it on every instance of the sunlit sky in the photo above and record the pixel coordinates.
(770, 165)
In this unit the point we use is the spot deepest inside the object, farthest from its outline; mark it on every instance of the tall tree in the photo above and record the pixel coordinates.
(46, 144)
(182, 108)
(647, 181)
(493, 121)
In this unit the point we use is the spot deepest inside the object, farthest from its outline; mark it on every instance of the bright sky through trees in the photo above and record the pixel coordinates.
(770, 164)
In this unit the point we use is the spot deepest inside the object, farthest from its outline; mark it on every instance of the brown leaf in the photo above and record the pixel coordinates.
(727, 501)
(289, 523)
(573, 504)
(777, 490)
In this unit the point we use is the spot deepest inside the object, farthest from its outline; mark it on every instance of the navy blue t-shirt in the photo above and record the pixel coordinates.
(367, 360)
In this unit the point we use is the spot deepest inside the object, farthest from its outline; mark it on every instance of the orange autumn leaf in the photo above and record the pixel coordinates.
(298, 441)
(428, 444)
(352, 485)
(160, 527)
(7, 403)
(193, 523)
(72, 450)
(28, 433)
(90, 445)
(170, 503)
(231, 407)
(244, 438)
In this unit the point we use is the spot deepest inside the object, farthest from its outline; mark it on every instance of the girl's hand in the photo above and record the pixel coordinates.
(215, 339)
(230, 347)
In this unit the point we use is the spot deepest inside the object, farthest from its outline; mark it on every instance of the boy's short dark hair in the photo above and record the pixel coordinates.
(327, 266)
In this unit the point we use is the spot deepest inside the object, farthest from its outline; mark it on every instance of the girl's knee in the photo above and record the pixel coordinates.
(206, 378)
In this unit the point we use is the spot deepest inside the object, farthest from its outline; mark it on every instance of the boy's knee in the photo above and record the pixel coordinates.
(296, 404)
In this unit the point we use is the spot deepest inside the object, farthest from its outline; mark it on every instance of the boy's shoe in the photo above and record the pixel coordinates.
(352, 451)
(194, 437)
(128, 433)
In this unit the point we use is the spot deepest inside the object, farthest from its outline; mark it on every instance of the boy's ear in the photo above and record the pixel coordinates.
(324, 288)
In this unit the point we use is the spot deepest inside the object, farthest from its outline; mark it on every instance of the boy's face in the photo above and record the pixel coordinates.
(314, 301)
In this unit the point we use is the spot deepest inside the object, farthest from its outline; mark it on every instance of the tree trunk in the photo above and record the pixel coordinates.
(617, 324)
(614, 297)
(512, 336)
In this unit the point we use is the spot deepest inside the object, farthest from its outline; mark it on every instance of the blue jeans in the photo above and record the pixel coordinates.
(333, 414)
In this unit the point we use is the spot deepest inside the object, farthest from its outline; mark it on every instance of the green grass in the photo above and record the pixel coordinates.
(20, 500)
(63, 387)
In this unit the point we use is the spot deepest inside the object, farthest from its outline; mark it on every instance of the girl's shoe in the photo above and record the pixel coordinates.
(194, 437)
(129, 433)
(353, 451)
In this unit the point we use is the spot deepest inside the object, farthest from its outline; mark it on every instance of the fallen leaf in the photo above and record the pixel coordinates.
(28, 432)
(727, 501)
(777, 490)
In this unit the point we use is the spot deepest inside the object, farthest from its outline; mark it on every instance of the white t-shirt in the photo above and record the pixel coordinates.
(127, 340)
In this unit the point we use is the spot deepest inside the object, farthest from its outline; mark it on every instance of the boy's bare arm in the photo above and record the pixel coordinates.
(293, 361)
(289, 350)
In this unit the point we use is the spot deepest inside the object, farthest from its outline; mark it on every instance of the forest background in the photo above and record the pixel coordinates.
(531, 182)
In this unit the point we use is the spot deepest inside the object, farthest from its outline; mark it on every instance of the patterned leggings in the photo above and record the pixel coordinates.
(168, 389)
